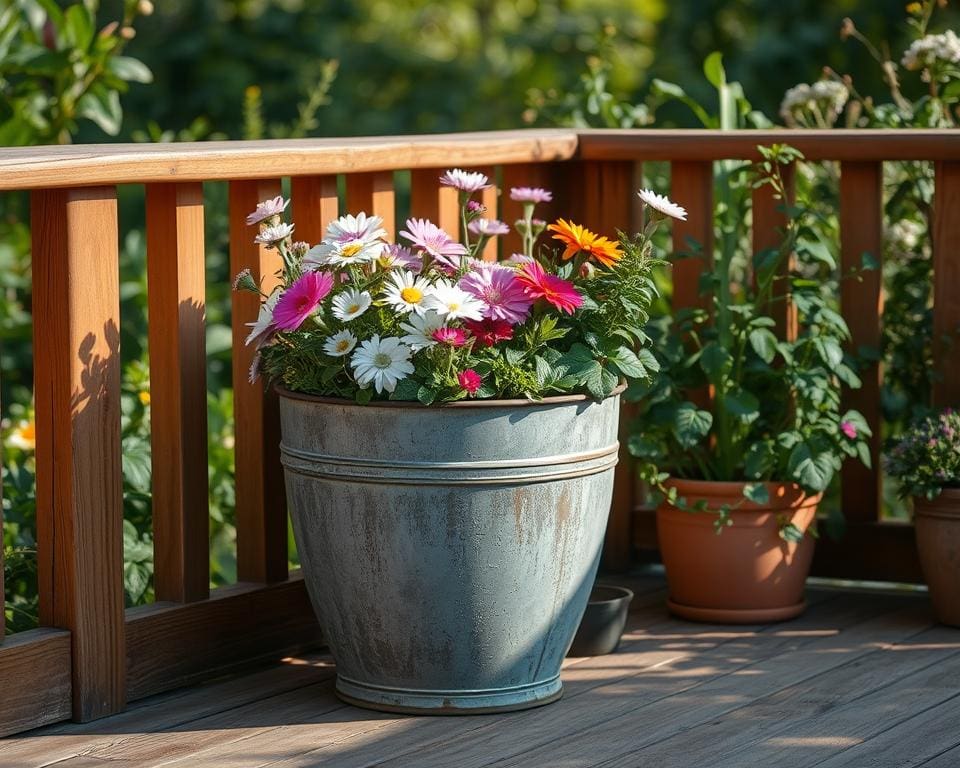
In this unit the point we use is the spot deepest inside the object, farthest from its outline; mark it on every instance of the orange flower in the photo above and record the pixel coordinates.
(577, 238)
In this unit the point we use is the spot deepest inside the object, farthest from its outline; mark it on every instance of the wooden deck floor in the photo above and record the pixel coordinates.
(861, 680)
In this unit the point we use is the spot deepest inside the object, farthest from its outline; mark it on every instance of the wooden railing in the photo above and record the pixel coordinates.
(90, 656)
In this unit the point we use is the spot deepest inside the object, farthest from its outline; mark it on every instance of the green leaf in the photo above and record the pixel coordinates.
(817, 250)
(649, 360)
(78, 27)
(714, 71)
(715, 361)
(742, 404)
(102, 106)
(758, 460)
(791, 533)
(426, 395)
(757, 493)
(812, 470)
(764, 343)
(628, 363)
(868, 262)
(364, 396)
(600, 381)
(130, 69)
(691, 425)
(643, 447)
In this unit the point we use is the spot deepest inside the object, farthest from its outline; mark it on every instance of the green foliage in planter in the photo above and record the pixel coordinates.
(926, 458)
(776, 412)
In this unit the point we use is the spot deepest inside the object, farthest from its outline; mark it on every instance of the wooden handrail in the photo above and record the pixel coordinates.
(86, 165)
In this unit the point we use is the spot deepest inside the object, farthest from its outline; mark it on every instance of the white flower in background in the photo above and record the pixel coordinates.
(340, 344)
(382, 363)
(831, 94)
(267, 209)
(270, 236)
(454, 303)
(905, 235)
(350, 304)
(407, 292)
(933, 52)
(264, 330)
(348, 240)
(662, 204)
(488, 227)
(817, 105)
(23, 436)
(419, 329)
(465, 181)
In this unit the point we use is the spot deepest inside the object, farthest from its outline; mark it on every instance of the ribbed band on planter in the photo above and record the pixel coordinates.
(449, 551)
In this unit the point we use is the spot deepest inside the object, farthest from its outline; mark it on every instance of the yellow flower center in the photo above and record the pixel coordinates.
(353, 308)
(453, 306)
(411, 295)
(351, 250)
(343, 345)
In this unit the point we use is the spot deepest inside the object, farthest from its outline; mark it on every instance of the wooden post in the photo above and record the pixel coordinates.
(606, 205)
(178, 391)
(315, 205)
(946, 285)
(769, 222)
(373, 194)
(861, 231)
(261, 500)
(429, 200)
(79, 480)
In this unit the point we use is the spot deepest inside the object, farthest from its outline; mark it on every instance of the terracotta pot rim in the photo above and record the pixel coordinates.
(723, 491)
(516, 403)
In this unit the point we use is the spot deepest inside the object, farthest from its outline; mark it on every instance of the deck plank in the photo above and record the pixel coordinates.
(859, 680)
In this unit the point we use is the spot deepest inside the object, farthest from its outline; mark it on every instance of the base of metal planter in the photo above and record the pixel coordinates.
(736, 615)
(420, 702)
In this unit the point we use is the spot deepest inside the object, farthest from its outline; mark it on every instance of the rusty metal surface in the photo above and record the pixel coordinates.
(449, 553)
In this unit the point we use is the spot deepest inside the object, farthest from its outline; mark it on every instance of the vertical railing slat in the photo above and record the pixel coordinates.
(861, 231)
(769, 221)
(373, 194)
(315, 205)
(428, 200)
(261, 501)
(488, 198)
(76, 310)
(549, 176)
(178, 391)
(605, 206)
(946, 285)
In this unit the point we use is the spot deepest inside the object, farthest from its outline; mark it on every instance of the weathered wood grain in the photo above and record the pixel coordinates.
(76, 342)
(87, 165)
(178, 391)
(261, 499)
(946, 285)
(861, 300)
(171, 645)
(35, 675)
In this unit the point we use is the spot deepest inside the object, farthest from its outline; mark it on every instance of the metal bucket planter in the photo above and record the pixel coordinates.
(449, 551)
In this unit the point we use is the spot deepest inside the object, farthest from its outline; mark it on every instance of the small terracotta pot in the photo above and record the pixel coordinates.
(747, 574)
(938, 541)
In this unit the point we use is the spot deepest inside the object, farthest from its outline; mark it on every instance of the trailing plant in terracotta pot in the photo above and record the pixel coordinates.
(743, 429)
(449, 433)
(926, 461)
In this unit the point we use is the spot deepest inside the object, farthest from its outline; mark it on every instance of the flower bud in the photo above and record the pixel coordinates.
(145, 8)
(128, 33)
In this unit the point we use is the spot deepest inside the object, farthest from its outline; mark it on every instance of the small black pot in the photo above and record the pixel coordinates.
(602, 622)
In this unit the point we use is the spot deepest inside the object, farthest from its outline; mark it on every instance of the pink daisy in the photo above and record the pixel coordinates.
(470, 380)
(465, 181)
(300, 300)
(502, 291)
(539, 284)
(531, 194)
(455, 337)
(428, 237)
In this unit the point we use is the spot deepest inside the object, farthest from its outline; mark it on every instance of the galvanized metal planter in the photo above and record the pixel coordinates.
(449, 551)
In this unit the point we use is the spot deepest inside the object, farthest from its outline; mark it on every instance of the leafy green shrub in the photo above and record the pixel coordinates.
(926, 458)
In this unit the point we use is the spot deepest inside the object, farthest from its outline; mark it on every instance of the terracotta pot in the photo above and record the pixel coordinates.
(747, 574)
(938, 540)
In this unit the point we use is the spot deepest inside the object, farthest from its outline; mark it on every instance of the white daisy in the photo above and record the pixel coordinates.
(662, 204)
(343, 253)
(382, 363)
(454, 303)
(350, 304)
(264, 330)
(268, 209)
(359, 227)
(420, 329)
(407, 292)
(340, 344)
(465, 181)
(270, 236)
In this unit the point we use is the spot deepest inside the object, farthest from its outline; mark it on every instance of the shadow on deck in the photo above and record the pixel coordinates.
(863, 678)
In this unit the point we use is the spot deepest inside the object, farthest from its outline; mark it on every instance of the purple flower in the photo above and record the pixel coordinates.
(465, 181)
(428, 237)
(488, 227)
(268, 208)
(531, 194)
(474, 207)
(270, 236)
(500, 289)
(848, 429)
(300, 300)
(399, 256)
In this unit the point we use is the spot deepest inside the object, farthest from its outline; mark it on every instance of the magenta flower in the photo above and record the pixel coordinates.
(489, 332)
(474, 207)
(848, 429)
(539, 284)
(531, 194)
(300, 300)
(268, 208)
(465, 181)
(455, 337)
(470, 380)
(428, 237)
(501, 290)
(488, 227)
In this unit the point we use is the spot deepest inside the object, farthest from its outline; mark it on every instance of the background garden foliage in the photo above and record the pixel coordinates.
(198, 69)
